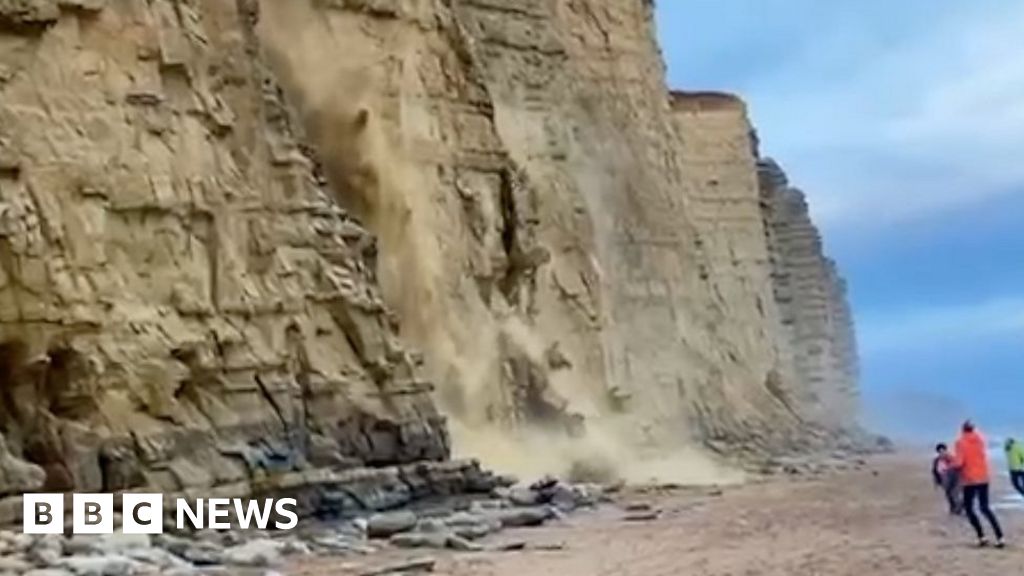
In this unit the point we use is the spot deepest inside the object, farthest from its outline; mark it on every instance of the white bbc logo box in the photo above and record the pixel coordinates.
(144, 513)
(93, 513)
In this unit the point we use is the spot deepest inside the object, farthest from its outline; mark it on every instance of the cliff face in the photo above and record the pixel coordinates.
(812, 299)
(720, 180)
(224, 223)
(181, 304)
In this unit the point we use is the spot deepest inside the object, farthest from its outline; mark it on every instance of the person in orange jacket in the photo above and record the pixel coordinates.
(971, 459)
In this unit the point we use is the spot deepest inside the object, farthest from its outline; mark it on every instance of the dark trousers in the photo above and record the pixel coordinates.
(979, 493)
(1017, 479)
(951, 487)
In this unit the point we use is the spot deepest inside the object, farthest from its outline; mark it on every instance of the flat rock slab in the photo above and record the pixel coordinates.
(415, 566)
(647, 516)
(388, 524)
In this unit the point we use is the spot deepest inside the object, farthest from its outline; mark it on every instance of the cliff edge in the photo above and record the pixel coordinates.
(241, 238)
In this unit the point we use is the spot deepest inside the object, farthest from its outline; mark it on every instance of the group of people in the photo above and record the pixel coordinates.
(964, 476)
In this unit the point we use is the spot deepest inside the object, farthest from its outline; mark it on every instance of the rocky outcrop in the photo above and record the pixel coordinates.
(812, 299)
(558, 212)
(182, 304)
(224, 225)
(767, 264)
(720, 182)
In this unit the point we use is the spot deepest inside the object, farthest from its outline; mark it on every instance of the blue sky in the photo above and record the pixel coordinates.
(904, 122)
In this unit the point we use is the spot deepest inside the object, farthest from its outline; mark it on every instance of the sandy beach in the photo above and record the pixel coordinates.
(884, 519)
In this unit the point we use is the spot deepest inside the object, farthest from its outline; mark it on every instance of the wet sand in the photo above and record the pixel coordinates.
(883, 520)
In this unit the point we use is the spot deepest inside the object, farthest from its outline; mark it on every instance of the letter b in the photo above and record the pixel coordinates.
(93, 513)
(43, 514)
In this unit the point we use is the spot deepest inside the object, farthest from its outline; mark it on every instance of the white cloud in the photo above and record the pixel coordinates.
(935, 328)
(879, 131)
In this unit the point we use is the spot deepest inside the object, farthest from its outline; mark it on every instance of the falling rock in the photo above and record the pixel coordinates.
(184, 271)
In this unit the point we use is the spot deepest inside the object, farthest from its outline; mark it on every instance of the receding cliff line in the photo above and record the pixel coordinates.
(242, 238)
(813, 301)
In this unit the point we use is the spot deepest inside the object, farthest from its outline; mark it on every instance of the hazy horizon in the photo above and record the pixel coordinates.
(904, 124)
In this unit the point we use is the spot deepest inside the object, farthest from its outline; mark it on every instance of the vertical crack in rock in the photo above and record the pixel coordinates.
(224, 225)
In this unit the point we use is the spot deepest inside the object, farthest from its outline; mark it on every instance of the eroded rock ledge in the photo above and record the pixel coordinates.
(199, 289)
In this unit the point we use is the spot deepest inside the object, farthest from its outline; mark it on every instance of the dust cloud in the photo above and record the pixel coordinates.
(333, 75)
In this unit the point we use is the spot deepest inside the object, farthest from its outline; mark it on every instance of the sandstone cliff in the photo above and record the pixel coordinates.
(225, 224)
(811, 295)
(181, 303)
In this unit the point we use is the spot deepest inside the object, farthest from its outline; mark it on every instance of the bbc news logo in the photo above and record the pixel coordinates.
(144, 513)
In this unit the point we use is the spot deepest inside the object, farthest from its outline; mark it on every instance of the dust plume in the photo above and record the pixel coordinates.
(488, 363)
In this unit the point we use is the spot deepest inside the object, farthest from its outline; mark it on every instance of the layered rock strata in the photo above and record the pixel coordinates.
(182, 303)
(769, 270)
(223, 222)
(812, 299)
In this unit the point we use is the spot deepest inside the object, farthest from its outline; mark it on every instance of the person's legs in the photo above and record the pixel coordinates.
(952, 490)
(957, 500)
(1017, 478)
(950, 499)
(987, 511)
(970, 494)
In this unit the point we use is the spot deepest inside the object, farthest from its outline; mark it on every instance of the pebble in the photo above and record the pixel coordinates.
(461, 544)
(524, 517)
(388, 524)
(260, 553)
(156, 557)
(99, 565)
(46, 551)
(522, 496)
(14, 564)
(203, 554)
(455, 527)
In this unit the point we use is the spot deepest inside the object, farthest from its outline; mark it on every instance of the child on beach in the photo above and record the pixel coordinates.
(947, 478)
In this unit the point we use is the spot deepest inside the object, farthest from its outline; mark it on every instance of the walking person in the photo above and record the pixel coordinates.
(971, 460)
(1015, 462)
(947, 478)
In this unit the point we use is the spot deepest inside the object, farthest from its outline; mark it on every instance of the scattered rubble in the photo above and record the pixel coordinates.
(452, 524)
